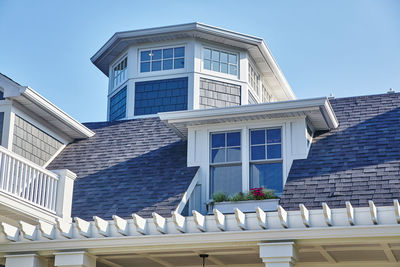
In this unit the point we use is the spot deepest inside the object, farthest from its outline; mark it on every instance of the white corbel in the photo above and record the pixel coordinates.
(373, 212)
(199, 220)
(262, 218)
(140, 223)
(327, 214)
(282, 213)
(160, 222)
(11, 232)
(121, 225)
(28, 231)
(305, 215)
(219, 219)
(65, 228)
(103, 226)
(350, 212)
(83, 227)
(240, 219)
(46, 229)
(179, 221)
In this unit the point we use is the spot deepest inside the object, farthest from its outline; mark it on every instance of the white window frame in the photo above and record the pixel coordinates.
(124, 73)
(245, 149)
(223, 164)
(139, 56)
(219, 73)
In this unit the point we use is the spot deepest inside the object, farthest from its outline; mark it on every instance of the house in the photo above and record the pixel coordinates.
(193, 111)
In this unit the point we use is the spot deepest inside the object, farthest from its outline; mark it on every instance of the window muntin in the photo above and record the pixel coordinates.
(267, 97)
(220, 61)
(162, 59)
(266, 159)
(119, 72)
(225, 162)
(254, 79)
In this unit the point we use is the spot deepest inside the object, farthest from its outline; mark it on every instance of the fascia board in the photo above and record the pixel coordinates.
(242, 110)
(49, 107)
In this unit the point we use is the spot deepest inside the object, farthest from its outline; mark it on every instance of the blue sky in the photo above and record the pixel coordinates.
(344, 47)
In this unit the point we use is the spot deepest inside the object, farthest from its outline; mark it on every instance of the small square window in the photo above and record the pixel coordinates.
(156, 65)
(145, 55)
(145, 67)
(179, 63)
(168, 53)
(156, 54)
(179, 52)
(167, 64)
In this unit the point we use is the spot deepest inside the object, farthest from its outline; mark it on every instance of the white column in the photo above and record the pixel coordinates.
(65, 191)
(279, 254)
(25, 260)
(74, 259)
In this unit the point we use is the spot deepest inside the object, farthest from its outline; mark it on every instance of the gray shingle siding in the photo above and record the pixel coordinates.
(127, 166)
(33, 143)
(357, 162)
(218, 94)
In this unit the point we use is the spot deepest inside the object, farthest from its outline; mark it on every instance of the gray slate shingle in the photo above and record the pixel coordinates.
(357, 162)
(127, 166)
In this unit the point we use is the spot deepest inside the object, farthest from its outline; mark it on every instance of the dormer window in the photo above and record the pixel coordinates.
(162, 59)
(220, 61)
(254, 80)
(266, 159)
(226, 163)
(119, 72)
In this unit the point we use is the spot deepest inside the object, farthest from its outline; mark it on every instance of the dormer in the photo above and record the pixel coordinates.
(186, 67)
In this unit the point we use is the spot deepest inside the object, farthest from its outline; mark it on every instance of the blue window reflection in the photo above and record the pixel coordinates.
(267, 175)
(257, 137)
(218, 140)
(179, 52)
(233, 139)
(226, 179)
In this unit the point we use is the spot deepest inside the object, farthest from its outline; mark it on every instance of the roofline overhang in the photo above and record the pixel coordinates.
(44, 104)
(204, 116)
(258, 42)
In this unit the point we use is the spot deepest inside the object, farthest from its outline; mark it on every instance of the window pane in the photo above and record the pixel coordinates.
(267, 175)
(224, 68)
(156, 54)
(179, 52)
(167, 64)
(257, 152)
(257, 137)
(145, 55)
(215, 66)
(218, 140)
(226, 179)
(207, 53)
(274, 151)
(224, 57)
(156, 65)
(274, 136)
(167, 53)
(179, 63)
(232, 70)
(233, 139)
(232, 59)
(145, 67)
(233, 154)
(215, 55)
(207, 64)
(218, 155)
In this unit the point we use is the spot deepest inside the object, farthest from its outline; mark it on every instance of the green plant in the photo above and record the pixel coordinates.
(220, 197)
(238, 197)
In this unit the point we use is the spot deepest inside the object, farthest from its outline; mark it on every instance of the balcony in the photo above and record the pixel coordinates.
(30, 192)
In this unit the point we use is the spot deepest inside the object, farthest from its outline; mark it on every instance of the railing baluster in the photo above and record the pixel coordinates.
(2, 166)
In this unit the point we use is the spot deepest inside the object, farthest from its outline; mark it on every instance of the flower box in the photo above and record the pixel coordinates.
(244, 206)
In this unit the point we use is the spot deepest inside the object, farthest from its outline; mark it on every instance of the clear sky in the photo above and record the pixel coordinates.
(344, 47)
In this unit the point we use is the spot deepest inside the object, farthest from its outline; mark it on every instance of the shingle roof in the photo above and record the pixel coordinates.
(127, 166)
(357, 162)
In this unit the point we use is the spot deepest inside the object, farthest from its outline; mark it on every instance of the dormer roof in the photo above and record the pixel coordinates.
(43, 108)
(256, 47)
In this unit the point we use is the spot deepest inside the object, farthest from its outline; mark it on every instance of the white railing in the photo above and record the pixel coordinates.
(27, 181)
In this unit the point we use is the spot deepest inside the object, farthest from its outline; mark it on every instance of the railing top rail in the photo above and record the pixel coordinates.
(27, 162)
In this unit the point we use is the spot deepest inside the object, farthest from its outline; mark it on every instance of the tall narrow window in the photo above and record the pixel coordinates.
(162, 59)
(226, 165)
(254, 80)
(266, 159)
(220, 61)
(267, 97)
(119, 73)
